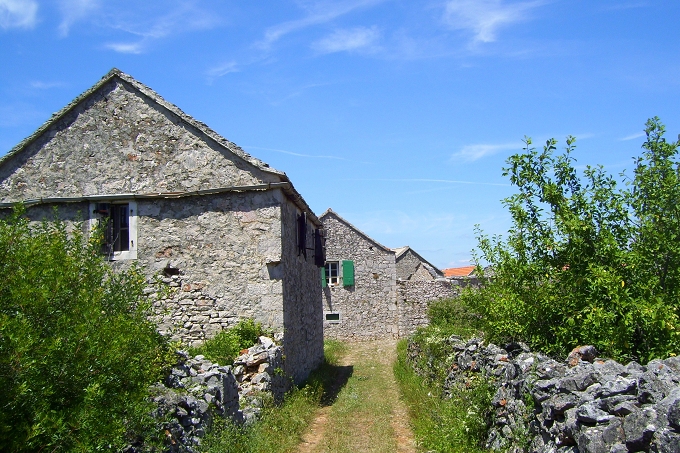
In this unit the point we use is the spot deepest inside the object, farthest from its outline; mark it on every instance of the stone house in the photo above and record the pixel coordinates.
(228, 235)
(372, 291)
(411, 266)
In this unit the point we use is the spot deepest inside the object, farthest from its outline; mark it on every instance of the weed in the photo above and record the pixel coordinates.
(458, 424)
(280, 426)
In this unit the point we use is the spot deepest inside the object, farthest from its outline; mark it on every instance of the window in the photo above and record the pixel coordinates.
(332, 273)
(120, 228)
(335, 273)
(332, 317)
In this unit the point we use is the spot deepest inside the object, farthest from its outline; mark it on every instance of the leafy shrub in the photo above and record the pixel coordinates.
(226, 345)
(77, 352)
(586, 262)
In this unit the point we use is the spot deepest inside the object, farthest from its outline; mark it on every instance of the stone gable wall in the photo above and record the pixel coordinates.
(409, 267)
(118, 141)
(367, 309)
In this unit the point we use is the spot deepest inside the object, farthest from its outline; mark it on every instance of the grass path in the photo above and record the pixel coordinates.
(368, 414)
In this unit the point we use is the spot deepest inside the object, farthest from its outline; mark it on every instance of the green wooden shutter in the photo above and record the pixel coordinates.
(323, 277)
(348, 273)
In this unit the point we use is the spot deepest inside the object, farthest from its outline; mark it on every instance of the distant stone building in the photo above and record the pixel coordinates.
(411, 266)
(371, 291)
(229, 235)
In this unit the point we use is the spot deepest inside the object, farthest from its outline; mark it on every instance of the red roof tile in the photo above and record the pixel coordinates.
(464, 271)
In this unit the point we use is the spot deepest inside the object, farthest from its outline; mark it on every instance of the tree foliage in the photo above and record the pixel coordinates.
(587, 262)
(77, 352)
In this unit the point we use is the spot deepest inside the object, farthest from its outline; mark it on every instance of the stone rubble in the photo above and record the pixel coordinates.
(586, 404)
(198, 390)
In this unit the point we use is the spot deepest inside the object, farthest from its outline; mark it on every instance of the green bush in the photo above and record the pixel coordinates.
(77, 352)
(586, 262)
(224, 347)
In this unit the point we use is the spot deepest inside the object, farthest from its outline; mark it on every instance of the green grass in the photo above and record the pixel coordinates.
(457, 425)
(281, 426)
(361, 418)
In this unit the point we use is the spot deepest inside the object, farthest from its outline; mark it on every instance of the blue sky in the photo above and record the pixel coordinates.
(399, 115)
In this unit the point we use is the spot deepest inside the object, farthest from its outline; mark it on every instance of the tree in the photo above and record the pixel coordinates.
(77, 352)
(586, 262)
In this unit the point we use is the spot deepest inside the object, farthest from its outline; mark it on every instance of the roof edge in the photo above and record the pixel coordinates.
(329, 211)
(407, 248)
(291, 192)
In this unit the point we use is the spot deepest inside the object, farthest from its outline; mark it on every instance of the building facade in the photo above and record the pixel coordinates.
(371, 291)
(224, 235)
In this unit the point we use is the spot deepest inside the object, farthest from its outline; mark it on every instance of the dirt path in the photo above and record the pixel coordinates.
(368, 414)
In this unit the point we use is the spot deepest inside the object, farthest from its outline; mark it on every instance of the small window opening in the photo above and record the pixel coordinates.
(332, 316)
(170, 271)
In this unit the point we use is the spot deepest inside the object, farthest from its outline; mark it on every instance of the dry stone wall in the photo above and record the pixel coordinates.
(196, 391)
(413, 298)
(584, 404)
(367, 309)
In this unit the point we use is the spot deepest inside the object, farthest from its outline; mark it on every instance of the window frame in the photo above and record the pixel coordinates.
(95, 219)
(332, 313)
(329, 278)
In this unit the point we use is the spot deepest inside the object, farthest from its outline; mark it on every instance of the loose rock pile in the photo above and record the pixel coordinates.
(584, 405)
(257, 370)
(197, 390)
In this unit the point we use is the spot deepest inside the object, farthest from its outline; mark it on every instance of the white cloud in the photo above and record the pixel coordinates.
(633, 136)
(319, 13)
(73, 11)
(185, 17)
(626, 5)
(428, 180)
(223, 69)
(485, 17)
(348, 40)
(291, 153)
(471, 153)
(40, 85)
(18, 13)
(121, 47)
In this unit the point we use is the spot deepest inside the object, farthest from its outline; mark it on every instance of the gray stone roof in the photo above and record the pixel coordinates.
(158, 99)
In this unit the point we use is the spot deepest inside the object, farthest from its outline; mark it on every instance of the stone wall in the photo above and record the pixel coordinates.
(413, 298)
(210, 259)
(410, 267)
(585, 404)
(302, 313)
(222, 246)
(367, 309)
(118, 141)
